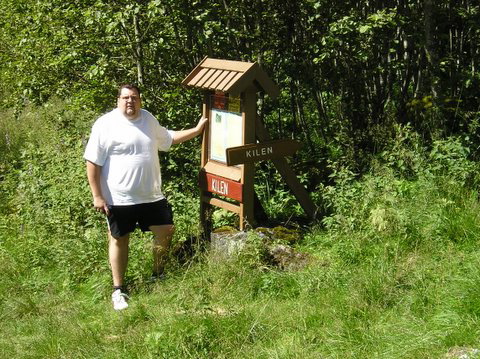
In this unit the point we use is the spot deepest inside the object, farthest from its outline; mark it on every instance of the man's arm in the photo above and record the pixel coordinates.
(93, 175)
(185, 135)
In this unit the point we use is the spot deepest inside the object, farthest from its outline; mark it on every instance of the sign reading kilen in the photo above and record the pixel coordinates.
(229, 145)
(261, 151)
(221, 186)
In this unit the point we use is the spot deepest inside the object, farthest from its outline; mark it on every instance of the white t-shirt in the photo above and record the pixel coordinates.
(127, 151)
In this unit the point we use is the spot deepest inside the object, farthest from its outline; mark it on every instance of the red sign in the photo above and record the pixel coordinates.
(221, 186)
(219, 101)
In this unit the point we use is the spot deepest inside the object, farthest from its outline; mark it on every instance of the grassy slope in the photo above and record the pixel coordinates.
(360, 298)
(395, 271)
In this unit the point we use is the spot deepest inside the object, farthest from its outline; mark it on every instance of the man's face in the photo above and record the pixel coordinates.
(129, 103)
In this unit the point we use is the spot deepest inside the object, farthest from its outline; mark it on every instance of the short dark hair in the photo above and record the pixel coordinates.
(128, 86)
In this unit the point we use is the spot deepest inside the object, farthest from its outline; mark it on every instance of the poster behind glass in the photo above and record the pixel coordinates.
(226, 126)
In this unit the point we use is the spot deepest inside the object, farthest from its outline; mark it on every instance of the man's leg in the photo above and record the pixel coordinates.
(118, 257)
(163, 235)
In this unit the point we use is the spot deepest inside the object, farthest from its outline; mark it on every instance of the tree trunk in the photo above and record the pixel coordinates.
(432, 58)
(138, 50)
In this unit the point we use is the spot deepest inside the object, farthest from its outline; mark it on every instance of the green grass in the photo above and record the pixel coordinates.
(395, 304)
(394, 270)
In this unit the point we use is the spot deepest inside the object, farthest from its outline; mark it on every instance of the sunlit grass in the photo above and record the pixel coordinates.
(392, 273)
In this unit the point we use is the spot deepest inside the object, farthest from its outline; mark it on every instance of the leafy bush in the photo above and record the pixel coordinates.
(49, 222)
(381, 201)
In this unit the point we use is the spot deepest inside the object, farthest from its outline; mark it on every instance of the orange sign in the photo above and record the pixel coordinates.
(222, 186)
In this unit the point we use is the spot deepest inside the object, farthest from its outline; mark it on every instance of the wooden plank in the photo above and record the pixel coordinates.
(229, 65)
(212, 78)
(206, 78)
(220, 78)
(193, 73)
(248, 175)
(222, 204)
(206, 129)
(206, 210)
(261, 151)
(227, 80)
(240, 83)
(225, 87)
(198, 77)
(257, 76)
(221, 185)
(229, 172)
(244, 73)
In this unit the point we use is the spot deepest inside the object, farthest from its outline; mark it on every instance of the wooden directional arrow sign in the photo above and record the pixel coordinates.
(261, 151)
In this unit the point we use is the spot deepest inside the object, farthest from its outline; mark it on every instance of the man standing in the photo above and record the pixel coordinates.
(123, 172)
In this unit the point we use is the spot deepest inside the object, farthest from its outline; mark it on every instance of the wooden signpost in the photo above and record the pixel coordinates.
(261, 151)
(229, 144)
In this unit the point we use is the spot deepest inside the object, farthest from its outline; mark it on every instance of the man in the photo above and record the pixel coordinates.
(123, 172)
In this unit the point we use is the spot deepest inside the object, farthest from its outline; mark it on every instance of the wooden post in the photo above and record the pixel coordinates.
(205, 208)
(248, 173)
(227, 177)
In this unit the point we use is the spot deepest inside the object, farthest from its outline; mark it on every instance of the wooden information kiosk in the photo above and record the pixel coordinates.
(229, 146)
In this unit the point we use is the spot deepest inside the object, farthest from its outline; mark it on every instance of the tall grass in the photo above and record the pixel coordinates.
(393, 269)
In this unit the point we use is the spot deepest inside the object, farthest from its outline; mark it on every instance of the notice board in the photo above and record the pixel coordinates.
(226, 126)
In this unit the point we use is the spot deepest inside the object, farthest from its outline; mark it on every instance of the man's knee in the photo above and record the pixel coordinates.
(164, 231)
(117, 238)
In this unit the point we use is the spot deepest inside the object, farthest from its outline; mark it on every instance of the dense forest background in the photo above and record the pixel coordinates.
(351, 73)
(384, 95)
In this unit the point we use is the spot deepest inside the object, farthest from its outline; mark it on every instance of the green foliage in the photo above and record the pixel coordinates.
(377, 201)
(47, 213)
(385, 101)
(50, 204)
(275, 196)
(348, 73)
(393, 270)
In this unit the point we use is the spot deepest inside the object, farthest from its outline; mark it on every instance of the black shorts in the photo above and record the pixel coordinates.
(124, 219)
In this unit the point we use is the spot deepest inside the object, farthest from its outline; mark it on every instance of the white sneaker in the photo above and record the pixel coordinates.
(119, 300)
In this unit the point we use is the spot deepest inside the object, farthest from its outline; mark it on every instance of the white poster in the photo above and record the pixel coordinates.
(225, 131)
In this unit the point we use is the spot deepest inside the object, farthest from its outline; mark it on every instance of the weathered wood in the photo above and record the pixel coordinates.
(222, 204)
(261, 151)
(205, 208)
(230, 83)
(193, 73)
(206, 78)
(212, 78)
(235, 78)
(249, 118)
(256, 76)
(198, 77)
(223, 75)
(226, 80)
(205, 113)
(233, 173)
(241, 79)
(230, 65)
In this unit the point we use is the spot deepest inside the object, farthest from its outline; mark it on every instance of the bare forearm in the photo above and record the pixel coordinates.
(185, 135)
(93, 175)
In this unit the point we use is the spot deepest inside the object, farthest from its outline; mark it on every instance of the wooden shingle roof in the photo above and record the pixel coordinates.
(229, 76)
